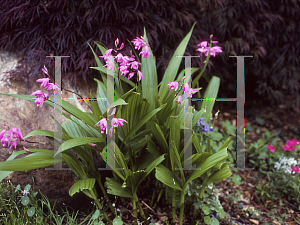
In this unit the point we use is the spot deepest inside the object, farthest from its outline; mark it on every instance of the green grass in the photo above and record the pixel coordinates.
(29, 210)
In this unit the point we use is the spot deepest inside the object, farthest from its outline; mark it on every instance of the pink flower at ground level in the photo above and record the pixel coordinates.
(271, 148)
(295, 142)
(295, 169)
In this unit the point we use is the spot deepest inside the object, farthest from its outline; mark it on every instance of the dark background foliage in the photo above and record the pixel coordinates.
(266, 29)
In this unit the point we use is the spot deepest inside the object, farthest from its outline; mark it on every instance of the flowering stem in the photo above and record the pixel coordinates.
(62, 108)
(79, 96)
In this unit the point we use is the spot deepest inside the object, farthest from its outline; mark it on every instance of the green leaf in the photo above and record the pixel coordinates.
(207, 164)
(76, 166)
(159, 136)
(25, 200)
(236, 179)
(96, 214)
(152, 148)
(220, 175)
(149, 81)
(172, 69)
(174, 131)
(196, 143)
(78, 142)
(142, 122)
(96, 109)
(150, 167)
(30, 211)
(211, 93)
(115, 188)
(165, 176)
(205, 210)
(41, 158)
(117, 221)
(87, 183)
(120, 101)
(101, 96)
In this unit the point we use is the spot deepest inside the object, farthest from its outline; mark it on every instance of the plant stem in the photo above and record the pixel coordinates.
(134, 211)
(98, 178)
(142, 212)
(154, 191)
(99, 206)
(173, 204)
(158, 198)
(181, 207)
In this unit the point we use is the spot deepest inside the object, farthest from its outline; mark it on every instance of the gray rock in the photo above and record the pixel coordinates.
(26, 116)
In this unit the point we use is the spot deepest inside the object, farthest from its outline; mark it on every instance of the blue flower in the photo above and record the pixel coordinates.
(205, 128)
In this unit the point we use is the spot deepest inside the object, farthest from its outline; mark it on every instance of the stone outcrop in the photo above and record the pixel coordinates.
(26, 116)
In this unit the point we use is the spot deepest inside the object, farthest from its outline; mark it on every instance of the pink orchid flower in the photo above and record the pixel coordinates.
(145, 52)
(190, 91)
(45, 70)
(102, 124)
(107, 54)
(5, 141)
(295, 169)
(45, 82)
(15, 133)
(179, 99)
(2, 133)
(117, 42)
(54, 87)
(13, 144)
(135, 65)
(140, 75)
(130, 75)
(173, 85)
(271, 148)
(139, 42)
(119, 58)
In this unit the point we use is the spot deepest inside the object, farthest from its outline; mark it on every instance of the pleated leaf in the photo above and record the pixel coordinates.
(87, 183)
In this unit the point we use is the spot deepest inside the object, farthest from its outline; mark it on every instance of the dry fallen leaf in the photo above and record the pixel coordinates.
(254, 221)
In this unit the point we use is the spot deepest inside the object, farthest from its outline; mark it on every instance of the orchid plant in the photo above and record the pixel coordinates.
(150, 127)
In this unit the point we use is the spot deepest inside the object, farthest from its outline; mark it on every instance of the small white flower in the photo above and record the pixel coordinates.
(286, 165)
